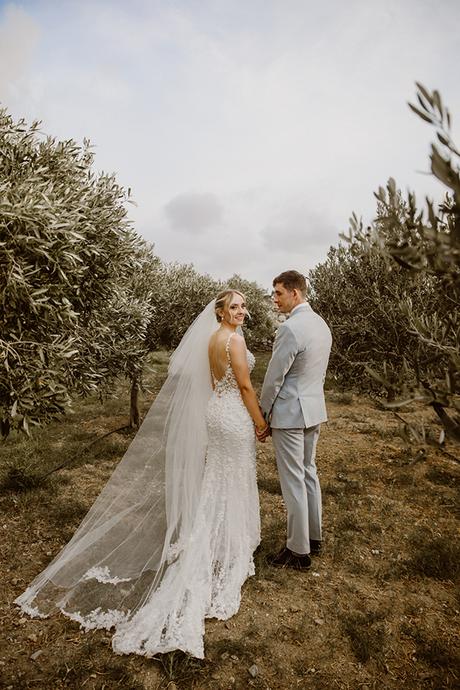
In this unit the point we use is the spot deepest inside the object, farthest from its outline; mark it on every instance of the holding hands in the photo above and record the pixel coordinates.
(262, 433)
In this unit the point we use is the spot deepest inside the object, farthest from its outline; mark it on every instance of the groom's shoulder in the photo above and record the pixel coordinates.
(284, 328)
(289, 333)
(306, 315)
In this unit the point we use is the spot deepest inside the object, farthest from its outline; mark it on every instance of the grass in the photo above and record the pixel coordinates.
(339, 397)
(377, 610)
(366, 633)
(348, 522)
(66, 511)
(258, 373)
(20, 476)
(442, 477)
(435, 557)
(180, 668)
(269, 484)
(83, 666)
(438, 652)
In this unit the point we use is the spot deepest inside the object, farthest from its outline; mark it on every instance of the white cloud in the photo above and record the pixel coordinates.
(19, 35)
(194, 213)
(297, 228)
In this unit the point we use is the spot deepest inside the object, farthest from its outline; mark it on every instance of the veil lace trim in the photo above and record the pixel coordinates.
(125, 545)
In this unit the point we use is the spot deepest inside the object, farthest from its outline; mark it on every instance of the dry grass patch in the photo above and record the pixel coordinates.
(378, 610)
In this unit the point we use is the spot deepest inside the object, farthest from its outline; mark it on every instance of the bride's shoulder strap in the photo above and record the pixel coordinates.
(227, 345)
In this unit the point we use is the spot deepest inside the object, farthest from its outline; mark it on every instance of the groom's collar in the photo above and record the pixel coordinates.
(303, 306)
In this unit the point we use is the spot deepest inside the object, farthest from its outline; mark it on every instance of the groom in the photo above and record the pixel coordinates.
(292, 400)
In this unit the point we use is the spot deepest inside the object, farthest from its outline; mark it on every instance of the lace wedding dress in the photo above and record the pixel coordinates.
(169, 541)
(206, 574)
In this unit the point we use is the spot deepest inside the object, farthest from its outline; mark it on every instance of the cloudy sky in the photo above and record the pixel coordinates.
(248, 130)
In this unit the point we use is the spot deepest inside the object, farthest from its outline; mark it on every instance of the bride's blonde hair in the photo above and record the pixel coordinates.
(223, 300)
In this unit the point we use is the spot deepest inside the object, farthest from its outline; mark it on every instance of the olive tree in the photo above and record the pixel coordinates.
(180, 293)
(72, 315)
(360, 295)
(392, 293)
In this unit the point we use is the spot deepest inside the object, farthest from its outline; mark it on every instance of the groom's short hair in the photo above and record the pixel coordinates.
(292, 280)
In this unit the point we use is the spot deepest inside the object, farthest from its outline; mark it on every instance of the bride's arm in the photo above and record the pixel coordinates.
(239, 363)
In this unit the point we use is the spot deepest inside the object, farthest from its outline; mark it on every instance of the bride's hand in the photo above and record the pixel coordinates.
(262, 432)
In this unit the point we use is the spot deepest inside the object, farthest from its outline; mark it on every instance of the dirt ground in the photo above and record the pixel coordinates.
(379, 608)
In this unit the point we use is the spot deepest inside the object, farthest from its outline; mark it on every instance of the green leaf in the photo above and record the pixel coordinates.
(421, 114)
(443, 139)
(437, 102)
(425, 93)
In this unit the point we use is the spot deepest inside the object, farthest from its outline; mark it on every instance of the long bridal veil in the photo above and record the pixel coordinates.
(140, 521)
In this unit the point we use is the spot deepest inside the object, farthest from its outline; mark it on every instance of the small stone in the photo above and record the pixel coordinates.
(36, 654)
(253, 671)
(32, 637)
(234, 657)
(316, 575)
(319, 621)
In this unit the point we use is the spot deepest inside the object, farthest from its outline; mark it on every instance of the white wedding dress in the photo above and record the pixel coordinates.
(206, 574)
(170, 542)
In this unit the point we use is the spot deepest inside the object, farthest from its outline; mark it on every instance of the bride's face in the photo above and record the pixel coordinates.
(235, 311)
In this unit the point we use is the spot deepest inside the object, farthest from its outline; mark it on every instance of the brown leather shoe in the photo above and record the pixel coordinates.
(286, 559)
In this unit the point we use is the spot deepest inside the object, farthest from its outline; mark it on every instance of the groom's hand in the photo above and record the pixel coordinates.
(263, 434)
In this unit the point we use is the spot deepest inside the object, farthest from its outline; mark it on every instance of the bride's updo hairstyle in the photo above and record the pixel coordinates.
(223, 300)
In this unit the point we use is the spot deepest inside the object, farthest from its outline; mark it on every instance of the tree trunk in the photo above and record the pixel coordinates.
(134, 415)
(452, 428)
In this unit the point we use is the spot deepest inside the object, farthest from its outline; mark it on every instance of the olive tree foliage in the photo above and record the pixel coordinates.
(75, 279)
(419, 251)
(181, 293)
(360, 293)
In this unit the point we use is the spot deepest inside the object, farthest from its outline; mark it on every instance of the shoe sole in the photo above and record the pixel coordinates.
(291, 565)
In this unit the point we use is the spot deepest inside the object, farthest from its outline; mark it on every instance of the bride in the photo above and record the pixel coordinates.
(170, 539)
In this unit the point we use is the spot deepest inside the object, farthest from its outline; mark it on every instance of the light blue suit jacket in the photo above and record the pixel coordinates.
(292, 393)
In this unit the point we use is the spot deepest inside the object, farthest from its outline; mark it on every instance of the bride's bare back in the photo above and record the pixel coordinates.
(218, 359)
